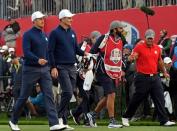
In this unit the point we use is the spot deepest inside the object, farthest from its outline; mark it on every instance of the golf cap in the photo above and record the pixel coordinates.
(11, 50)
(65, 13)
(167, 60)
(37, 15)
(4, 47)
(149, 34)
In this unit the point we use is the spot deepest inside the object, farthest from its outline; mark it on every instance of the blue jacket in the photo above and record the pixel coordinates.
(173, 54)
(35, 46)
(63, 47)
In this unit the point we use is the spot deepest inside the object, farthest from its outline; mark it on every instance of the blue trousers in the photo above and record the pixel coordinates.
(67, 80)
(30, 76)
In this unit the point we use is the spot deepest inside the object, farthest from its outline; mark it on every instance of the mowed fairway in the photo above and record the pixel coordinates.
(100, 128)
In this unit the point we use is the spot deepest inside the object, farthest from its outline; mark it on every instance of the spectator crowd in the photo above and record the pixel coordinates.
(21, 8)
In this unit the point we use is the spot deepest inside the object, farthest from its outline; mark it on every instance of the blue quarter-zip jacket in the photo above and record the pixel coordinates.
(63, 47)
(35, 46)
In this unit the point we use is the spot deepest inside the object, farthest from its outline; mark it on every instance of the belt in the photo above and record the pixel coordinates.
(147, 75)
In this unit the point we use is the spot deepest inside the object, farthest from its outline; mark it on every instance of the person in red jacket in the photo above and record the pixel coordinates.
(148, 60)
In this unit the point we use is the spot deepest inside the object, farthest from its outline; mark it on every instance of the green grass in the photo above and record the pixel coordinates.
(41, 124)
(100, 128)
(44, 121)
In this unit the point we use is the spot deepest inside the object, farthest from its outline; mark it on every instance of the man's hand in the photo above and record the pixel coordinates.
(166, 75)
(89, 55)
(86, 53)
(54, 72)
(42, 61)
(133, 56)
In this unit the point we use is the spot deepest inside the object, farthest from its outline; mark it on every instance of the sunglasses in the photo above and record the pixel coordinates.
(150, 38)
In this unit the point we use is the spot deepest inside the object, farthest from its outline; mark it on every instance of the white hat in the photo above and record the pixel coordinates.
(11, 50)
(65, 13)
(167, 60)
(4, 47)
(36, 15)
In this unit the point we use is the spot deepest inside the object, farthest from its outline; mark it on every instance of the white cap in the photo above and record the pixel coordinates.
(4, 47)
(65, 13)
(11, 50)
(36, 15)
(167, 60)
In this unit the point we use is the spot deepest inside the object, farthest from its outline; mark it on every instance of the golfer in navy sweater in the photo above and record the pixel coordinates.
(63, 48)
(35, 69)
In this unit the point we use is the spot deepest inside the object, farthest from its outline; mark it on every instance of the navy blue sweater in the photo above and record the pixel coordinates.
(63, 47)
(35, 46)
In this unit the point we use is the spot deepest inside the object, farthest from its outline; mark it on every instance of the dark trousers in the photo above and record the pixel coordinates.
(67, 80)
(32, 75)
(84, 106)
(146, 85)
(173, 89)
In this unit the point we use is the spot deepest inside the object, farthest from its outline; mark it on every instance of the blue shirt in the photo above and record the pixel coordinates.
(35, 46)
(63, 47)
(38, 100)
